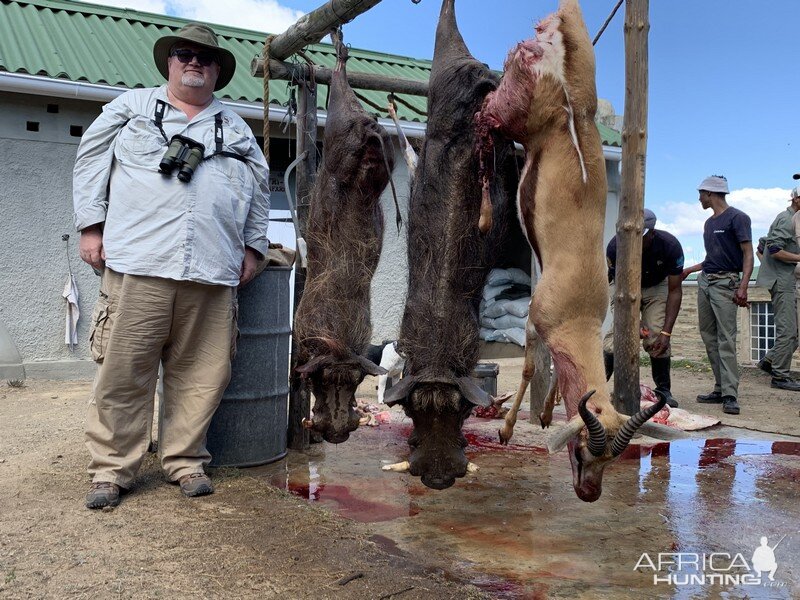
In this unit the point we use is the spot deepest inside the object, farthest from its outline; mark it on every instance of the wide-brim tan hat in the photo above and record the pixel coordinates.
(201, 35)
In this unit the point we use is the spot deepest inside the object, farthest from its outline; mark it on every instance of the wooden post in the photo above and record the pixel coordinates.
(279, 69)
(628, 293)
(311, 28)
(299, 397)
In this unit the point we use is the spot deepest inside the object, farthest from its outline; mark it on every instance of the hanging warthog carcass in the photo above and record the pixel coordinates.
(448, 260)
(332, 326)
(547, 102)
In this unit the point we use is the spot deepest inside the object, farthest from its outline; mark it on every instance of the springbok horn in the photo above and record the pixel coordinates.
(597, 433)
(625, 434)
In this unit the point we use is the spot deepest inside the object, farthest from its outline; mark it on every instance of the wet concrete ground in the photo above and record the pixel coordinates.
(517, 530)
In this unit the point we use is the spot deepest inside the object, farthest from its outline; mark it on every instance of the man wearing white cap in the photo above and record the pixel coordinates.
(726, 270)
(779, 254)
(662, 265)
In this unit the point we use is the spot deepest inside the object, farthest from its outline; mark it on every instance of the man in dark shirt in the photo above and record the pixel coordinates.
(722, 287)
(662, 265)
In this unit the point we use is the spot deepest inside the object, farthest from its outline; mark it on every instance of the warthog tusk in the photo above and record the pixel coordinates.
(401, 467)
(307, 423)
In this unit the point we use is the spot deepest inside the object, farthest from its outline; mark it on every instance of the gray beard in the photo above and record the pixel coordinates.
(192, 80)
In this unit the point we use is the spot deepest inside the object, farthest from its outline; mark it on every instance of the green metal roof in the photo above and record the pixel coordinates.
(76, 41)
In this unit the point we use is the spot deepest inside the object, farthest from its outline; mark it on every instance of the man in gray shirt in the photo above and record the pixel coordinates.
(779, 253)
(171, 198)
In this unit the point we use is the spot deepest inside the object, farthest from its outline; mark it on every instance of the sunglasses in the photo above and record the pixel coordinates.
(204, 57)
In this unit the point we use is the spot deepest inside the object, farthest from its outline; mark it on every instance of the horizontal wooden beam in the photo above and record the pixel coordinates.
(361, 81)
(311, 28)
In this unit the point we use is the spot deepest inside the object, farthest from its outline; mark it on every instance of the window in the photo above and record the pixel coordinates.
(762, 329)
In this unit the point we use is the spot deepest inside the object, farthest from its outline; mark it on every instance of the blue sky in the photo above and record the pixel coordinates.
(724, 95)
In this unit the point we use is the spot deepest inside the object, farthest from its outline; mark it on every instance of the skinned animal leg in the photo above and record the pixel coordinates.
(382, 387)
(528, 370)
(546, 416)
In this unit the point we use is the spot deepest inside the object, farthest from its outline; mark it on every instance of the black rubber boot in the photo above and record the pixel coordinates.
(660, 369)
(608, 359)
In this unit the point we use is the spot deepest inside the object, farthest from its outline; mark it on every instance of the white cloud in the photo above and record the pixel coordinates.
(761, 205)
(154, 6)
(685, 220)
(261, 15)
(269, 16)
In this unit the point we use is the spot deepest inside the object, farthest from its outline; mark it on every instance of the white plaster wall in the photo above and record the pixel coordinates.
(390, 282)
(35, 211)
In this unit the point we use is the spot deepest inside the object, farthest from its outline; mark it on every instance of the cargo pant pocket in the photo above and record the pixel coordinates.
(101, 328)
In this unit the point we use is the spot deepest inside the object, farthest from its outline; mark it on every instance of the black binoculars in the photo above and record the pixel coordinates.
(184, 153)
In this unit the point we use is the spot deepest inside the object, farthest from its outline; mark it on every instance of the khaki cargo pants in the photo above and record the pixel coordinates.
(653, 308)
(139, 322)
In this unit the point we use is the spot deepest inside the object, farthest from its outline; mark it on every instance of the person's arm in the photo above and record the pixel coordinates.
(789, 257)
(90, 179)
(781, 234)
(257, 222)
(689, 270)
(674, 298)
(740, 295)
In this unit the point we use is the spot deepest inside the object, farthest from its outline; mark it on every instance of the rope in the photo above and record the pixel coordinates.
(265, 57)
(608, 20)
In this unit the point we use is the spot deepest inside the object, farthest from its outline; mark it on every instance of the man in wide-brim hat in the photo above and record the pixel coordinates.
(195, 36)
(171, 198)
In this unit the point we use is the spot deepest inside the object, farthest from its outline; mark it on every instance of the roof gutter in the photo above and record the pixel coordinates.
(22, 83)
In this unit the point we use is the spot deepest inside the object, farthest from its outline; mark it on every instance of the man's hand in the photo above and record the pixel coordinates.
(740, 296)
(248, 266)
(660, 345)
(91, 247)
(685, 273)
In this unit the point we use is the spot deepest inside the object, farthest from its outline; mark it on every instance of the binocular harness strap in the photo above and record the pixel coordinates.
(161, 106)
(218, 139)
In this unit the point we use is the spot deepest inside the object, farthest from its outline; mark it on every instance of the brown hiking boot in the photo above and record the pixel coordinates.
(102, 494)
(196, 484)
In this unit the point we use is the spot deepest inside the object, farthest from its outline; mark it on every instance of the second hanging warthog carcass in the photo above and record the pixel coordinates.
(448, 259)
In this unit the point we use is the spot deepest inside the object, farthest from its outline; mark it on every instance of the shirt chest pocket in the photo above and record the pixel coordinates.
(234, 173)
(140, 144)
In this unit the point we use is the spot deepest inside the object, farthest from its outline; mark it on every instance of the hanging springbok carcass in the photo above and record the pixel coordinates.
(332, 327)
(547, 101)
(448, 259)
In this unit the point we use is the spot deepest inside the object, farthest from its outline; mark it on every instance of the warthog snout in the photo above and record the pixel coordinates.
(334, 385)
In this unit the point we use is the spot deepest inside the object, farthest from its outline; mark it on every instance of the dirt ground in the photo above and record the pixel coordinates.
(249, 539)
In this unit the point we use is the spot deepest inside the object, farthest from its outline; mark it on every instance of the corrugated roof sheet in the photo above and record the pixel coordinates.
(105, 45)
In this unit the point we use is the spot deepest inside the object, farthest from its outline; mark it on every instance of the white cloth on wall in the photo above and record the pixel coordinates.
(73, 312)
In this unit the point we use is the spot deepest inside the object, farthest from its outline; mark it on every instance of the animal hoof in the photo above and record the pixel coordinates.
(504, 437)
(545, 420)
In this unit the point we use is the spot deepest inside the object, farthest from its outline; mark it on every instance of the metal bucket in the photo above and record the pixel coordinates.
(249, 427)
